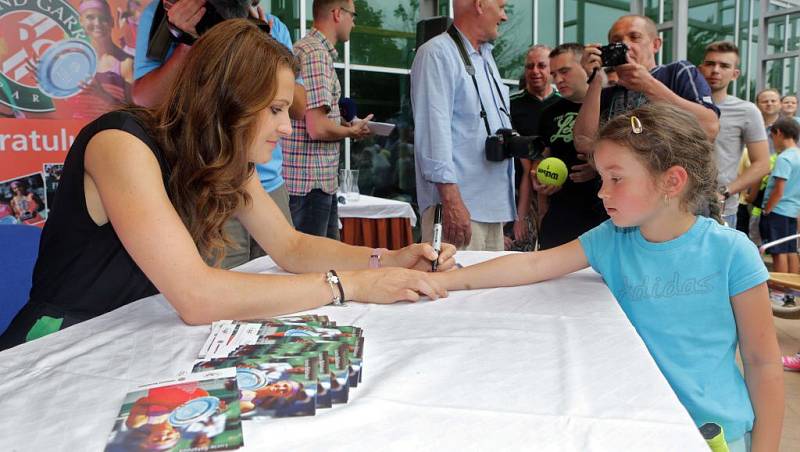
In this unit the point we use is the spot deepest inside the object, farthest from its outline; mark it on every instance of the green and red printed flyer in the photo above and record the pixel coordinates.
(197, 413)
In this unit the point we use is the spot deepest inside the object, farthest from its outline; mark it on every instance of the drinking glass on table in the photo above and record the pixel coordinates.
(352, 193)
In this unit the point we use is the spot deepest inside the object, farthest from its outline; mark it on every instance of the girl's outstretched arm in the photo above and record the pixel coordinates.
(517, 269)
(761, 358)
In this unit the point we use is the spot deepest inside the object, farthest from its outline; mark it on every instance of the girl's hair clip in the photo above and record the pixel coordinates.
(636, 125)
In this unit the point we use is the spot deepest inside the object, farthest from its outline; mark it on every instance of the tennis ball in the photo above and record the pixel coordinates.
(552, 171)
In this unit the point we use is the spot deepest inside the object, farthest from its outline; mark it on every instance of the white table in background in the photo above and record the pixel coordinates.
(377, 222)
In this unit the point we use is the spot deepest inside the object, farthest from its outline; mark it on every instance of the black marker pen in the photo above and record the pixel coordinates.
(437, 235)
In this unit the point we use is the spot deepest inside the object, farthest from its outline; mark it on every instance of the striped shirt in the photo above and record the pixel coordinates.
(310, 164)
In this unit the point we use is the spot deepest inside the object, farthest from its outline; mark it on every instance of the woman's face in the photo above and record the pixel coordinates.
(96, 23)
(273, 122)
(283, 389)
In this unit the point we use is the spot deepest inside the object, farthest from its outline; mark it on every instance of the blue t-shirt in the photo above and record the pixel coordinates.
(269, 173)
(677, 296)
(787, 167)
(450, 137)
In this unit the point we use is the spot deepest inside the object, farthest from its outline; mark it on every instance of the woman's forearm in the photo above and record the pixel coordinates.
(309, 253)
(222, 294)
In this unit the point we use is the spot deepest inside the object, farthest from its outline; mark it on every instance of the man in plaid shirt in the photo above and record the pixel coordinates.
(311, 154)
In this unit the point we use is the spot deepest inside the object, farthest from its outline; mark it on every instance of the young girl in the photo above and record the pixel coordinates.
(686, 283)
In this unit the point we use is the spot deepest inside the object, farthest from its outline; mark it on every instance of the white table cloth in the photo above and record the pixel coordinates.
(552, 366)
(376, 208)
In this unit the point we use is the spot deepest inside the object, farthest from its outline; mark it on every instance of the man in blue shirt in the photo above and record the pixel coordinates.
(153, 77)
(449, 138)
(640, 81)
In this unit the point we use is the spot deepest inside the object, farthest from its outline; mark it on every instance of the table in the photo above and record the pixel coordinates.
(377, 222)
(554, 366)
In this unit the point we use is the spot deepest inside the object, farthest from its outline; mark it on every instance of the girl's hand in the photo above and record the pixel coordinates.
(389, 285)
(419, 256)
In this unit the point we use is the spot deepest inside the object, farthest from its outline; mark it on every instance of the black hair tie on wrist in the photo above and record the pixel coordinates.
(339, 285)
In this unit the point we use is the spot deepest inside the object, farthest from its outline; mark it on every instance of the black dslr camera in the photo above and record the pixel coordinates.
(507, 143)
(161, 37)
(614, 54)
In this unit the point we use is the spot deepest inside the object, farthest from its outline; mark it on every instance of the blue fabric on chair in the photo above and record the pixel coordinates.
(19, 246)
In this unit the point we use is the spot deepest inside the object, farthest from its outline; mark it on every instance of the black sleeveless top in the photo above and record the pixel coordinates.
(82, 270)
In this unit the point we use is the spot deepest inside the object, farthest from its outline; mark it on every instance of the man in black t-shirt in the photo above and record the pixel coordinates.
(573, 208)
(537, 94)
(526, 105)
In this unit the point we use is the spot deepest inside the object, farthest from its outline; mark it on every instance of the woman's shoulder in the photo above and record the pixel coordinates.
(124, 120)
(122, 129)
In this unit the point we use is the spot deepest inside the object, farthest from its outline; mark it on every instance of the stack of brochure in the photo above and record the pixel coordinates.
(199, 412)
(281, 367)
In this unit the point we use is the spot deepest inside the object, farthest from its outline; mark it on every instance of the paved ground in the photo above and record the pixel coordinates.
(789, 340)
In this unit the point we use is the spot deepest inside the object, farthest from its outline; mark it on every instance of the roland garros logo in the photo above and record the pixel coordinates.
(29, 28)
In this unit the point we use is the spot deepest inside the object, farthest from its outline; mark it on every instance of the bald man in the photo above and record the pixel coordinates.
(641, 81)
(477, 195)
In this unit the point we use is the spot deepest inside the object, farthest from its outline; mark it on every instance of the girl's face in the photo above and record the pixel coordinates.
(96, 23)
(273, 122)
(789, 106)
(629, 192)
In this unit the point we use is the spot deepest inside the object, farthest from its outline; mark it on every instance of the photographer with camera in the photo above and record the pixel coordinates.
(167, 30)
(463, 137)
(566, 211)
(634, 43)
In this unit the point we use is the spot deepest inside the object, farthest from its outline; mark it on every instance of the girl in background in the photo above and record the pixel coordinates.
(692, 288)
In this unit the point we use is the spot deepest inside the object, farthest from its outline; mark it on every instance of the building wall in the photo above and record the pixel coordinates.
(374, 65)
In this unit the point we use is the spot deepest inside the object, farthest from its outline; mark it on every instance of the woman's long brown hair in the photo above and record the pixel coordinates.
(207, 123)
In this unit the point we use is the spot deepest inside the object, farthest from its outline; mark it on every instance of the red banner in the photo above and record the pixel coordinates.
(62, 64)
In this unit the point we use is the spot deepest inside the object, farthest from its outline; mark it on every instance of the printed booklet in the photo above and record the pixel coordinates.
(197, 413)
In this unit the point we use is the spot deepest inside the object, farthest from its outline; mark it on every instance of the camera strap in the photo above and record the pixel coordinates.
(159, 39)
(451, 30)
